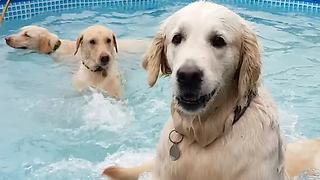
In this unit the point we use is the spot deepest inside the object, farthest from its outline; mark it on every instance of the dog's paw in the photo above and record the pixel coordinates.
(118, 173)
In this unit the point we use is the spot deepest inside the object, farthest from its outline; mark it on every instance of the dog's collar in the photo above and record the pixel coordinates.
(56, 46)
(239, 111)
(98, 69)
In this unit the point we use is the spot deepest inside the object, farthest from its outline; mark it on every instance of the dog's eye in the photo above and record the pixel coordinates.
(26, 35)
(108, 40)
(93, 42)
(217, 41)
(177, 39)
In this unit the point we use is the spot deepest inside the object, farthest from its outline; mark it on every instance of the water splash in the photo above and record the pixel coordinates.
(129, 158)
(75, 168)
(288, 121)
(105, 113)
(71, 168)
(310, 175)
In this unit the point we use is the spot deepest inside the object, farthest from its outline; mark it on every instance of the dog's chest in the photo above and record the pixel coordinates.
(94, 79)
(204, 163)
(228, 158)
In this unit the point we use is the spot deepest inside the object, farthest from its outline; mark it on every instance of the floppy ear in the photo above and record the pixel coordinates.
(115, 43)
(45, 45)
(155, 59)
(249, 65)
(78, 43)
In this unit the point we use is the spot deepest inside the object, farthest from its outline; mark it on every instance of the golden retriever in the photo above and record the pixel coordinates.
(97, 47)
(223, 124)
(301, 156)
(40, 40)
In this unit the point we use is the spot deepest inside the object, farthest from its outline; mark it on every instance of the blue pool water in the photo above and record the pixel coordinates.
(49, 131)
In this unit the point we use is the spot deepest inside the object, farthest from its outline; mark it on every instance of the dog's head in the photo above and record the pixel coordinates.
(97, 46)
(206, 48)
(33, 38)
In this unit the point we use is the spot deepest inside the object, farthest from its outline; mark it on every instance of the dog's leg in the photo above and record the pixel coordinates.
(112, 86)
(302, 156)
(118, 173)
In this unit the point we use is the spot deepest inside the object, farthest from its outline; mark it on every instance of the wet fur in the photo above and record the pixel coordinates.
(43, 41)
(213, 148)
(107, 80)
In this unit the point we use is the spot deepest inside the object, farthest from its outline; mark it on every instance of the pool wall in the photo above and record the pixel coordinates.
(19, 9)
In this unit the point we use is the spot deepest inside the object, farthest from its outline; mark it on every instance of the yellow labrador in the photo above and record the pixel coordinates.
(40, 40)
(97, 47)
(97, 59)
(223, 124)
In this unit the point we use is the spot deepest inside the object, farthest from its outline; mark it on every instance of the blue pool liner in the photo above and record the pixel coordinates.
(19, 9)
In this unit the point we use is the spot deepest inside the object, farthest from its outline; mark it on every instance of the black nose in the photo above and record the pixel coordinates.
(104, 60)
(8, 39)
(189, 77)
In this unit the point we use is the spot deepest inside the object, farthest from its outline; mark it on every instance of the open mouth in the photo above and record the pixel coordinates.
(194, 103)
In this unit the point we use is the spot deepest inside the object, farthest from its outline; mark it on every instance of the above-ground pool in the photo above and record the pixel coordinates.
(50, 131)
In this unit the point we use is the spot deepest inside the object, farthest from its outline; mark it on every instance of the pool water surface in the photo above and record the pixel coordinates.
(49, 131)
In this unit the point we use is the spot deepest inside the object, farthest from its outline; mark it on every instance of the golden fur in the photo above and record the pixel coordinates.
(214, 148)
(40, 40)
(105, 44)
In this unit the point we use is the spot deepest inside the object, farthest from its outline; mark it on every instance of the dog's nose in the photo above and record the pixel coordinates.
(190, 76)
(8, 39)
(104, 60)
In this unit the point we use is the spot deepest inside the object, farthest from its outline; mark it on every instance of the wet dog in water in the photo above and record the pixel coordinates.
(97, 46)
(223, 124)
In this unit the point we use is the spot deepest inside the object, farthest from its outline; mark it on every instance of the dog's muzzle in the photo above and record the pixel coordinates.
(9, 43)
(189, 81)
(193, 102)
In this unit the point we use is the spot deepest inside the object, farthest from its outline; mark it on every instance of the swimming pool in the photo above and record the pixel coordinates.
(49, 131)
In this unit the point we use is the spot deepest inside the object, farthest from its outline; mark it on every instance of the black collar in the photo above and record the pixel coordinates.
(56, 46)
(98, 69)
(239, 111)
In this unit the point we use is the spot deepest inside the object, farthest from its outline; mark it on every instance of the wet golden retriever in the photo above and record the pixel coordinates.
(223, 124)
